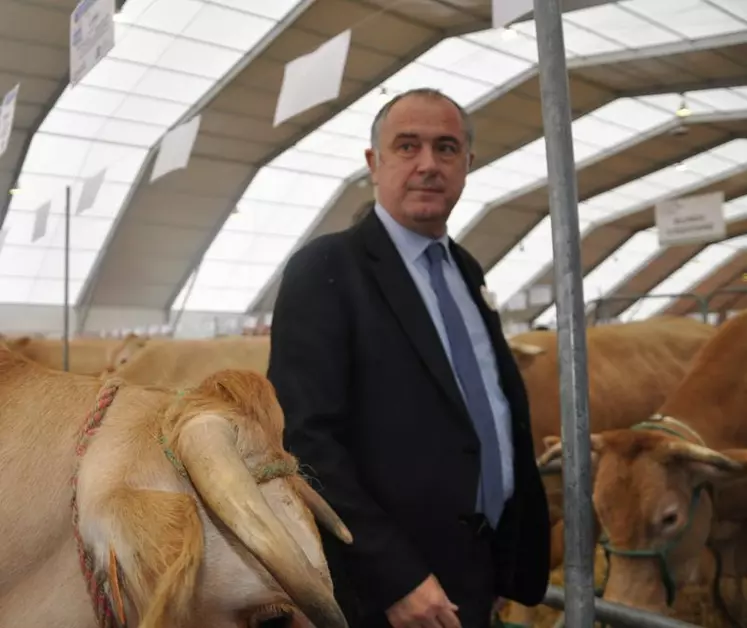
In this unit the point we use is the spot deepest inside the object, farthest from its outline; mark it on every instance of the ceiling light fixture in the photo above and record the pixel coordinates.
(683, 111)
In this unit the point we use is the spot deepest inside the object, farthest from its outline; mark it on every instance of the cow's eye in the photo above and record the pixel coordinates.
(669, 519)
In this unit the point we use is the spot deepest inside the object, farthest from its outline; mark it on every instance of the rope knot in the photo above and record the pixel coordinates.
(280, 467)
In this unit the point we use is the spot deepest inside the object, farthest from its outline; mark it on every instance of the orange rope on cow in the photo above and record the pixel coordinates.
(97, 586)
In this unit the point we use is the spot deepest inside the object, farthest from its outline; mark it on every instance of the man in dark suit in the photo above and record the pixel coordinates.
(402, 399)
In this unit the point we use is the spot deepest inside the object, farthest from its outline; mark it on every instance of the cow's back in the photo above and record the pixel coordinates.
(185, 363)
(87, 356)
(632, 367)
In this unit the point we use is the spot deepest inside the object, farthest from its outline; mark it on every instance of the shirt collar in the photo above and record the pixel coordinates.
(411, 245)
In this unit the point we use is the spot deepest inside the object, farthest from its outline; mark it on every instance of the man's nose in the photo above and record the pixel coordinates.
(427, 160)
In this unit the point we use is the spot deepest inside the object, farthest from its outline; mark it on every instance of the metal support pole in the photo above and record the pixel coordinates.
(66, 299)
(180, 313)
(704, 307)
(574, 400)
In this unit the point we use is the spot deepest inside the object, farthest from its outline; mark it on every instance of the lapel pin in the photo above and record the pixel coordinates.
(488, 297)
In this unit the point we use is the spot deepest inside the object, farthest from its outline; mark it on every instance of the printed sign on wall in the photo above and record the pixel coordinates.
(91, 36)
(691, 219)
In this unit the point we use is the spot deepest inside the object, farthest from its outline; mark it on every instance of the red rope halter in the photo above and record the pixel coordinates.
(97, 585)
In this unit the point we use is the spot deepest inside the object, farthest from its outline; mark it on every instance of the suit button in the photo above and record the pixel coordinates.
(471, 450)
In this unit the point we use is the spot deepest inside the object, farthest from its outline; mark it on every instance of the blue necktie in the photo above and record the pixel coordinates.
(468, 372)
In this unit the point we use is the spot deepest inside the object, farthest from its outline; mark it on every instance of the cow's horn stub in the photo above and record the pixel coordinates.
(323, 511)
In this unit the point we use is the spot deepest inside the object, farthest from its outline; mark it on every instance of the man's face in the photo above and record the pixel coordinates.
(423, 163)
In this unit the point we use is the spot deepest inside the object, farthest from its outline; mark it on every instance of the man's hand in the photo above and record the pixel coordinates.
(425, 607)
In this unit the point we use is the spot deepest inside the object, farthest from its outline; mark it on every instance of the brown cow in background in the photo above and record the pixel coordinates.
(651, 483)
(632, 368)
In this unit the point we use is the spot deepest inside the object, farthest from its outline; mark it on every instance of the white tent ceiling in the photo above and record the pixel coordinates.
(702, 42)
(534, 254)
(633, 256)
(213, 238)
(168, 55)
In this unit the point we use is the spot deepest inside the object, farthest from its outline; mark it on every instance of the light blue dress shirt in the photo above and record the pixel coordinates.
(411, 247)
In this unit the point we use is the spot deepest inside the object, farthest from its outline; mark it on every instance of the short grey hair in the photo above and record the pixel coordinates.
(426, 92)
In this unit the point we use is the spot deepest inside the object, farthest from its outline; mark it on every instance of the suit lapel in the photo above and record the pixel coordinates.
(403, 297)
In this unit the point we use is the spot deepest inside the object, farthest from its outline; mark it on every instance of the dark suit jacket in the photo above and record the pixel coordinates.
(374, 414)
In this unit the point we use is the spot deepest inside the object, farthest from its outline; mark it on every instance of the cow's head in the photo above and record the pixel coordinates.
(650, 494)
(123, 352)
(219, 531)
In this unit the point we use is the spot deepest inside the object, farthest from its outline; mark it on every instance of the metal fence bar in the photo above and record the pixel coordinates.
(616, 615)
(66, 294)
(723, 291)
(726, 291)
(572, 357)
(634, 298)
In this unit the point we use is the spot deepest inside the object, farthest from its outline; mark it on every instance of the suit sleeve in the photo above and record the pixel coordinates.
(311, 368)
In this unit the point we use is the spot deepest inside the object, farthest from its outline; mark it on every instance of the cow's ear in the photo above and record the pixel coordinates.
(20, 342)
(524, 349)
(524, 353)
(158, 544)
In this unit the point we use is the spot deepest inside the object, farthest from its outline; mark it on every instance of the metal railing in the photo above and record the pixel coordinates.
(617, 615)
(596, 307)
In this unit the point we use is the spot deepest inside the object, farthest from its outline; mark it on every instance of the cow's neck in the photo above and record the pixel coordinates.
(714, 415)
(712, 396)
(41, 414)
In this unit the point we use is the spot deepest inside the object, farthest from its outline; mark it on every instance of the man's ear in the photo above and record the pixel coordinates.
(373, 164)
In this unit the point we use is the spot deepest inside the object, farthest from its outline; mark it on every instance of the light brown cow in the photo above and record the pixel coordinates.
(146, 479)
(632, 368)
(87, 356)
(185, 363)
(650, 483)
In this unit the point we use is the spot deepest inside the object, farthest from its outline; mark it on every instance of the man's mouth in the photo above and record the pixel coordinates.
(428, 190)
